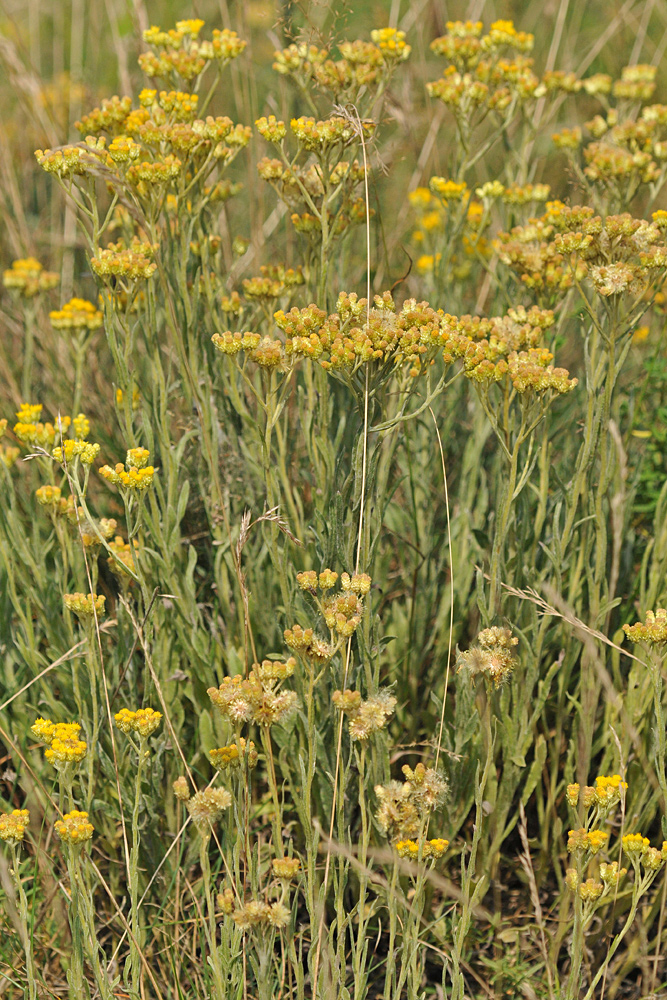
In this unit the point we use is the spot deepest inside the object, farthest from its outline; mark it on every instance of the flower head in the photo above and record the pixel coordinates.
(13, 826)
(492, 658)
(144, 722)
(652, 631)
(85, 606)
(74, 828)
(206, 807)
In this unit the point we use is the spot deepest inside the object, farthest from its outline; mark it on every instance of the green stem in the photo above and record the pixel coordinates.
(210, 925)
(26, 935)
(390, 973)
(135, 940)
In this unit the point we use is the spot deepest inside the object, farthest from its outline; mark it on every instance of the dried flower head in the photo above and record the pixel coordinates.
(365, 717)
(258, 915)
(404, 807)
(492, 658)
(206, 807)
(258, 697)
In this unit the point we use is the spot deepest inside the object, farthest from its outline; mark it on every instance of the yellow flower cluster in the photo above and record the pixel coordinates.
(361, 64)
(181, 56)
(32, 432)
(481, 74)
(416, 851)
(76, 448)
(275, 281)
(448, 190)
(492, 658)
(606, 793)
(138, 475)
(50, 497)
(516, 194)
(256, 698)
(311, 581)
(653, 630)
(271, 129)
(13, 826)
(317, 136)
(64, 746)
(241, 752)
(639, 850)
(611, 874)
(307, 644)
(286, 868)
(124, 556)
(365, 717)
(391, 42)
(355, 335)
(143, 722)
(134, 264)
(74, 828)
(76, 315)
(637, 82)
(72, 160)
(491, 349)
(590, 841)
(28, 277)
(85, 606)
(8, 455)
(618, 254)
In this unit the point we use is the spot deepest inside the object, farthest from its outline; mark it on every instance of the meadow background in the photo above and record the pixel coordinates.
(471, 503)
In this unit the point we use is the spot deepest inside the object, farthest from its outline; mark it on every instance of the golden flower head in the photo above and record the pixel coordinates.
(13, 826)
(412, 849)
(76, 315)
(234, 755)
(255, 913)
(85, 606)
(28, 278)
(652, 631)
(286, 869)
(590, 890)
(634, 844)
(610, 873)
(8, 455)
(74, 828)
(136, 478)
(144, 721)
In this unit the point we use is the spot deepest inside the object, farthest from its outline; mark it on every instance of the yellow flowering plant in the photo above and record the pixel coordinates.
(331, 465)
